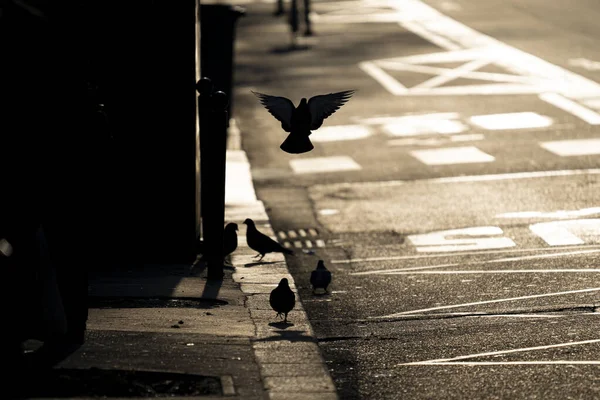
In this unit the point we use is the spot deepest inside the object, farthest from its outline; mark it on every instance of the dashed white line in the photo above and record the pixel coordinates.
(452, 155)
(576, 147)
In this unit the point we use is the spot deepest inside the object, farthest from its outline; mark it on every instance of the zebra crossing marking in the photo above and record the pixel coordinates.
(452, 155)
(518, 120)
(576, 147)
(324, 164)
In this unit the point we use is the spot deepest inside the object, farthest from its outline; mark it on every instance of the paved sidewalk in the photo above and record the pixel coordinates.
(170, 319)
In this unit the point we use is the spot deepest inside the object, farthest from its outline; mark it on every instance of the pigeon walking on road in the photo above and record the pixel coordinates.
(262, 243)
(282, 299)
(230, 240)
(320, 278)
(300, 121)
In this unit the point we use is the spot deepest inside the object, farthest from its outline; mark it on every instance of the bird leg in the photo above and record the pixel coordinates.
(285, 319)
(261, 256)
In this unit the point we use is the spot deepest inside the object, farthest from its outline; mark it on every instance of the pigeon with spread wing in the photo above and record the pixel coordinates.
(300, 121)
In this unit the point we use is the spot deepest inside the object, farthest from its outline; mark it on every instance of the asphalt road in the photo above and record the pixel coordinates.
(455, 197)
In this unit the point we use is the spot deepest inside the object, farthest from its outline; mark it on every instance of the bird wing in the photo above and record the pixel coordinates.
(324, 105)
(280, 107)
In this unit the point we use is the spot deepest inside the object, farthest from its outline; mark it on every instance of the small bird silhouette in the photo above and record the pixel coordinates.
(320, 278)
(262, 243)
(230, 241)
(300, 121)
(282, 299)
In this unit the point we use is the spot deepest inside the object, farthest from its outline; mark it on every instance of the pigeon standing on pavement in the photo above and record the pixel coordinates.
(230, 241)
(282, 299)
(300, 121)
(262, 243)
(320, 278)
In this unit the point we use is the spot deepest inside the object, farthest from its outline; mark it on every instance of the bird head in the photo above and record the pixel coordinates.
(284, 282)
(321, 265)
(249, 222)
(302, 102)
(232, 225)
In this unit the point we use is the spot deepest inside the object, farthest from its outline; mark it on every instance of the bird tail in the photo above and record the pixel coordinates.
(297, 144)
(288, 251)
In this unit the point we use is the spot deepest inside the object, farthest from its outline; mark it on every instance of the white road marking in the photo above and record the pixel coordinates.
(340, 132)
(467, 137)
(535, 296)
(414, 126)
(530, 74)
(519, 120)
(561, 233)
(328, 211)
(497, 260)
(392, 85)
(282, 235)
(308, 244)
(313, 232)
(320, 243)
(323, 164)
(585, 64)
(452, 155)
(560, 214)
(576, 147)
(408, 118)
(298, 244)
(570, 106)
(302, 232)
(475, 363)
(238, 179)
(502, 352)
(497, 271)
(292, 235)
(467, 253)
(474, 238)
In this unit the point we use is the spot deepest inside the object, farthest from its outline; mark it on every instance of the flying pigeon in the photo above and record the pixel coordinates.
(300, 121)
(262, 243)
(282, 299)
(320, 278)
(230, 241)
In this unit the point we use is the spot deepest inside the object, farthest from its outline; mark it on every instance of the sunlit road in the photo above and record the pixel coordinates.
(455, 197)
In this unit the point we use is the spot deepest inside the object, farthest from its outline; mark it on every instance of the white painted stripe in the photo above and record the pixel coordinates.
(431, 36)
(507, 121)
(497, 260)
(302, 232)
(557, 100)
(497, 271)
(452, 155)
(502, 352)
(577, 147)
(415, 127)
(475, 363)
(282, 235)
(323, 164)
(292, 235)
(328, 211)
(466, 253)
(451, 74)
(238, 179)
(340, 132)
(308, 244)
(560, 214)
(467, 137)
(408, 118)
(391, 84)
(313, 232)
(555, 235)
(287, 245)
(535, 296)
(320, 243)
(298, 244)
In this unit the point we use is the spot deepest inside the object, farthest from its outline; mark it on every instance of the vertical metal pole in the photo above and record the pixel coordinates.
(212, 108)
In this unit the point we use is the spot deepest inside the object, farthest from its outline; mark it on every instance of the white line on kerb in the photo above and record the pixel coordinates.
(495, 353)
(535, 296)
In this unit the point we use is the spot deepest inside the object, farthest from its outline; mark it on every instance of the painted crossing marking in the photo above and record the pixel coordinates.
(452, 155)
(576, 147)
(511, 351)
(340, 132)
(476, 303)
(559, 214)
(519, 120)
(527, 74)
(323, 164)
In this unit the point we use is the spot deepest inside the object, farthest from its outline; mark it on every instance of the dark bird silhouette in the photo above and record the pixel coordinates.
(300, 121)
(320, 278)
(230, 240)
(282, 299)
(262, 243)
